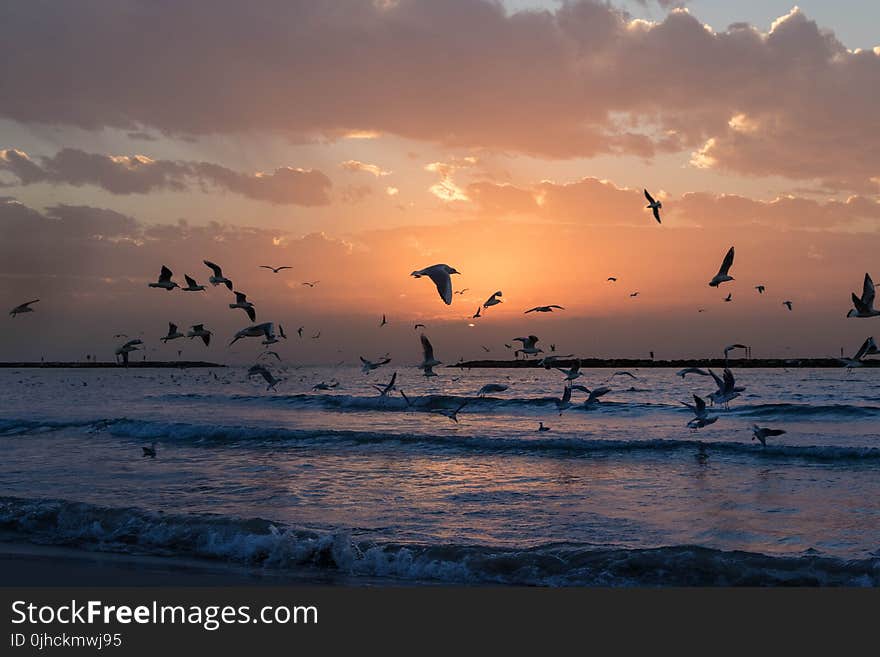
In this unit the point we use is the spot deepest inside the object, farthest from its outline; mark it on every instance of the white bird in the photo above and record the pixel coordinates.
(217, 278)
(543, 309)
(275, 270)
(701, 414)
(723, 273)
(864, 305)
(528, 346)
(493, 300)
(573, 373)
(192, 285)
(242, 302)
(654, 205)
(164, 281)
(23, 308)
(491, 387)
(265, 330)
(388, 387)
(369, 365)
(428, 360)
(727, 388)
(268, 377)
(787, 304)
(173, 333)
(199, 331)
(763, 433)
(691, 370)
(442, 276)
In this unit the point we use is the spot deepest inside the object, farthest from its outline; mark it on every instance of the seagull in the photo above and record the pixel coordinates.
(541, 427)
(275, 270)
(787, 304)
(634, 294)
(654, 205)
(388, 387)
(164, 281)
(731, 347)
(418, 326)
(265, 330)
(573, 373)
(462, 291)
(268, 377)
(242, 302)
(565, 401)
(625, 373)
(528, 346)
(485, 348)
(384, 321)
(542, 309)
(548, 362)
(369, 365)
(428, 360)
(729, 297)
(281, 332)
(722, 276)
(760, 289)
(612, 279)
(691, 370)
(311, 283)
(594, 394)
(477, 314)
(316, 336)
(452, 414)
(727, 388)
(217, 278)
(869, 347)
(192, 285)
(442, 276)
(199, 331)
(864, 305)
(269, 353)
(23, 308)
(701, 414)
(128, 347)
(150, 451)
(493, 300)
(299, 331)
(173, 333)
(491, 387)
(763, 433)
(326, 386)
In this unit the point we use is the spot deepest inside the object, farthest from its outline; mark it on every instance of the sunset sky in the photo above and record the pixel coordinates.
(359, 140)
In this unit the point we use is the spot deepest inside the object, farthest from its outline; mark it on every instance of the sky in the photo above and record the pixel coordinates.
(360, 140)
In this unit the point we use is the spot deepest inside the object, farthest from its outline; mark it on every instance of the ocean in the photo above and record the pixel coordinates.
(347, 485)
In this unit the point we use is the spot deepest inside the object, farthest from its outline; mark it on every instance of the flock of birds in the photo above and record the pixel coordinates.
(441, 276)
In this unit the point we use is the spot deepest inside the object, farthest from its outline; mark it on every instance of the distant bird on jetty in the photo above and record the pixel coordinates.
(275, 270)
(763, 433)
(864, 305)
(441, 275)
(217, 277)
(654, 205)
(192, 285)
(164, 281)
(543, 309)
(23, 308)
(723, 274)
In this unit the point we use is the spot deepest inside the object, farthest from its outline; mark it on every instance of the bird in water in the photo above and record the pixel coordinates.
(452, 414)
(491, 387)
(542, 428)
(150, 451)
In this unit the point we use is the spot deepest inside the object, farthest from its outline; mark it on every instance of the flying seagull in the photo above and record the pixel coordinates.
(634, 294)
(731, 347)
(868, 348)
(418, 326)
(864, 305)
(477, 314)
(265, 330)
(383, 322)
(654, 205)
(217, 278)
(452, 414)
(691, 370)
(192, 285)
(462, 291)
(388, 387)
(428, 360)
(242, 302)
(701, 414)
(573, 373)
(594, 394)
(275, 270)
(199, 331)
(369, 365)
(787, 304)
(727, 388)
(164, 281)
(491, 387)
(613, 279)
(268, 377)
(493, 300)
(442, 276)
(763, 433)
(729, 297)
(173, 333)
(542, 309)
(760, 289)
(723, 276)
(23, 308)
(311, 283)
(528, 346)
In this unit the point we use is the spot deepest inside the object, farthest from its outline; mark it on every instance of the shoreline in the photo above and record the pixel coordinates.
(718, 363)
(109, 364)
